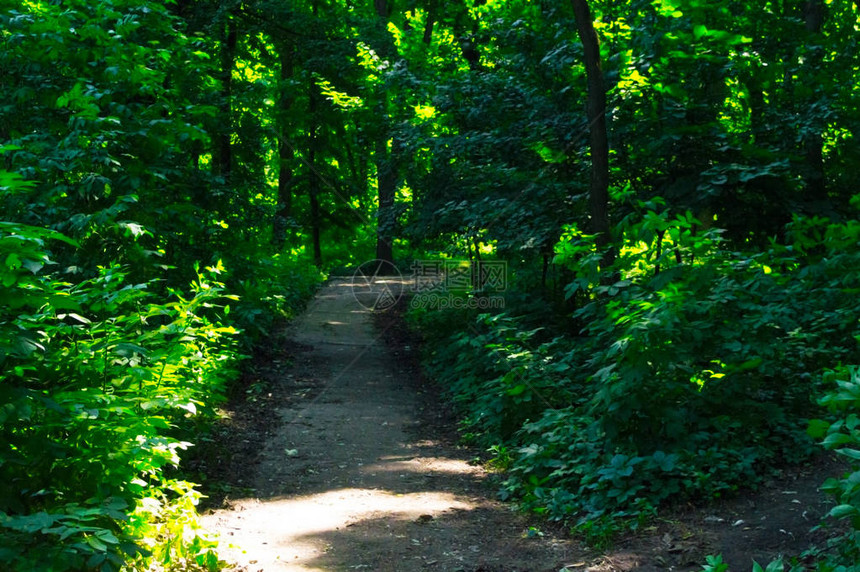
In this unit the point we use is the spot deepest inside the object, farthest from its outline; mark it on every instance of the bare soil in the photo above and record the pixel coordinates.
(338, 455)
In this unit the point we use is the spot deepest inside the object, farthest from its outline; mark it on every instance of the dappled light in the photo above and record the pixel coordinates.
(423, 464)
(284, 533)
(358, 279)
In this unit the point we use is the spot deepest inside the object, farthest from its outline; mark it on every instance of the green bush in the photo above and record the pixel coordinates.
(496, 375)
(98, 377)
(687, 382)
(271, 289)
(841, 434)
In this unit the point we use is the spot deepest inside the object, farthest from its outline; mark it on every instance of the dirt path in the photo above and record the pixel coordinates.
(347, 482)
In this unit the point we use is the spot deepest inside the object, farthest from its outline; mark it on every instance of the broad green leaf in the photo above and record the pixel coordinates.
(817, 428)
(517, 390)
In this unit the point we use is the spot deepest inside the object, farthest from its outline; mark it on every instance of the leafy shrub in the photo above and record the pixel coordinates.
(97, 378)
(693, 375)
(494, 372)
(842, 436)
(271, 289)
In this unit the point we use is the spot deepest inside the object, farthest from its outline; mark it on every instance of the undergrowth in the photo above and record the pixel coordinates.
(839, 433)
(105, 382)
(687, 380)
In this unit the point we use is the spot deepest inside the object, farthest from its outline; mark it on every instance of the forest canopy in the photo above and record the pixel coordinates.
(672, 186)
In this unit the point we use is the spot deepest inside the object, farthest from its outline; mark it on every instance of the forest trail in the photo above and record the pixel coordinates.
(351, 480)
(359, 470)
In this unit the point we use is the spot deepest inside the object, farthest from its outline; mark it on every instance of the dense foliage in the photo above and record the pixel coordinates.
(659, 397)
(682, 358)
(123, 252)
(671, 184)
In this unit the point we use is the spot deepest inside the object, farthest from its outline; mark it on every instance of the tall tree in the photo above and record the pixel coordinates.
(224, 150)
(386, 173)
(813, 141)
(313, 171)
(285, 150)
(598, 198)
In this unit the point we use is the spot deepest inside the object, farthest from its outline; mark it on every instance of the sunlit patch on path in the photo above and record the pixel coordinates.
(288, 534)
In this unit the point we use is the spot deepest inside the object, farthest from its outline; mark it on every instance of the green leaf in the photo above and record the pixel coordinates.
(775, 566)
(517, 390)
(843, 511)
(107, 537)
(133, 229)
(126, 349)
(12, 182)
(817, 428)
(63, 301)
(13, 262)
(32, 265)
(96, 543)
(836, 439)
(850, 453)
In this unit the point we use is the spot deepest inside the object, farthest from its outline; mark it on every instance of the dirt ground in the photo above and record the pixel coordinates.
(340, 456)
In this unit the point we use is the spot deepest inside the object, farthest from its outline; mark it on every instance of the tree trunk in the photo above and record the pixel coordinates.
(469, 40)
(816, 186)
(598, 199)
(381, 8)
(224, 153)
(313, 175)
(313, 172)
(386, 179)
(285, 152)
(429, 23)
(386, 173)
